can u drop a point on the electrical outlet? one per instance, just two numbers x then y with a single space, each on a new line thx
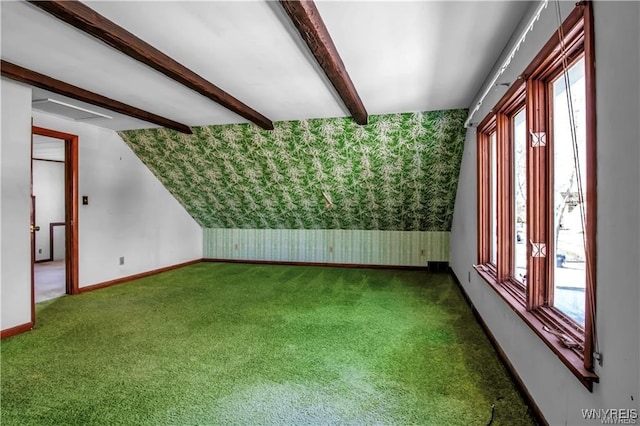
121 260
39 251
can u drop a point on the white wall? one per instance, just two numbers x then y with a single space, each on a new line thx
15 153
556 391
48 188
129 213
59 239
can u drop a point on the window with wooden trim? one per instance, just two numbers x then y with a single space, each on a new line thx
536 195
494 200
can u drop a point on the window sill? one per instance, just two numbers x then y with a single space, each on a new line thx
537 321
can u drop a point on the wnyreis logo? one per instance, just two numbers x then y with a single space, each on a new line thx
611 416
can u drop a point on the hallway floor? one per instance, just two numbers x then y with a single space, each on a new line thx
49 280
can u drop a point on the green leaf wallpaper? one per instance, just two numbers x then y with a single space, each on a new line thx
399 172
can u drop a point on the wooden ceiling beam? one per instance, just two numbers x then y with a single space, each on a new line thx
24 75
307 20
89 21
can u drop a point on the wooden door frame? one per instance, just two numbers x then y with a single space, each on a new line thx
71 210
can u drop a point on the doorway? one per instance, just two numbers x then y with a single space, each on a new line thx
54 214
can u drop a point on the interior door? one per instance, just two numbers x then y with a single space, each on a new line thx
33 229
71 204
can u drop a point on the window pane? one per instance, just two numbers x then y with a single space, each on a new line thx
520 196
494 210
569 265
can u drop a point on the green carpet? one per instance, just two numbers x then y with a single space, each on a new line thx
246 344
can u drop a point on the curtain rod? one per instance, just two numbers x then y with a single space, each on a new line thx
543 4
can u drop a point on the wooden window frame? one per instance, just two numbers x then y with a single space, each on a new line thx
534 302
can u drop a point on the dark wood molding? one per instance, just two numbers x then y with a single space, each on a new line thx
535 410
307 20
16 330
137 276
89 21
513 99
485 207
537 202
46 159
592 193
483 147
504 187
323 264
24 75
32 238
52 225
570 26
71 215
536 322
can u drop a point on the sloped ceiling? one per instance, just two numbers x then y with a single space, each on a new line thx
317 168
401 56
399 172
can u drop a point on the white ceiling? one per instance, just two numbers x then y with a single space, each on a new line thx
401 56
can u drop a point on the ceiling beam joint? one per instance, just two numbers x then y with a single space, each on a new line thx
32 78
309 23
89 21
